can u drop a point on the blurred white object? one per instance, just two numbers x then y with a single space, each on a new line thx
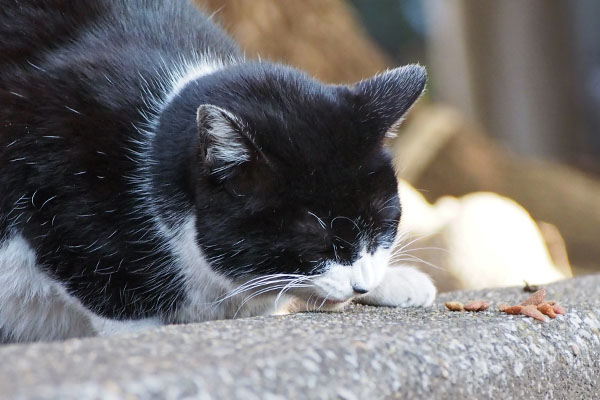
479 240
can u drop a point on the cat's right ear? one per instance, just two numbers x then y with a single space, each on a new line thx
222 142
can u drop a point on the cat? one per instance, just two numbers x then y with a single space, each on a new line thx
150 174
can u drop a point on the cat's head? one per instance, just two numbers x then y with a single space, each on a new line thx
291 176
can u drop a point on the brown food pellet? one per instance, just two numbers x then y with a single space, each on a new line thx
536 298
559 309
503 306
532 311
513 310
546 309
477 305
454 306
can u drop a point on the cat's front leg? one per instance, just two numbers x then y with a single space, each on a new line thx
402 286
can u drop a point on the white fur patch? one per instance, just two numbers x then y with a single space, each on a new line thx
402 286
184 72
366 273
175 77
207 291
397 286
202 285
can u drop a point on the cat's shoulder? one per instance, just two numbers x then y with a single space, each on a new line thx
32 30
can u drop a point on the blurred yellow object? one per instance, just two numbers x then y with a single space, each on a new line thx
478 240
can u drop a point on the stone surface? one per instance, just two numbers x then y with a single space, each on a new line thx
362 353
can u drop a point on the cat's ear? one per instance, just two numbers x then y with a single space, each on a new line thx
222 143
385 98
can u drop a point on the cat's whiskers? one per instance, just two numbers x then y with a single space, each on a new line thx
409 257
343 217
255 283
403 252
387 207
292 284
324 300
345 241
321 223
266 290
425 248
251 284
315 301
307 302
401 237
255 294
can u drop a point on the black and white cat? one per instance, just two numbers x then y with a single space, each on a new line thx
149 174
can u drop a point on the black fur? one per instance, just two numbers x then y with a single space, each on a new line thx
76 91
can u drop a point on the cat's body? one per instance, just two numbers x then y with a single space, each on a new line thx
150 175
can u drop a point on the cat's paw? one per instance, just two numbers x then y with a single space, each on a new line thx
402 287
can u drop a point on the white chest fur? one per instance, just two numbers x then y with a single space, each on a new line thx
208 294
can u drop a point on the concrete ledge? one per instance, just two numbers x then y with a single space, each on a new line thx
362 353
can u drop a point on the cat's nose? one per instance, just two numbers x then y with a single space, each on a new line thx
359 289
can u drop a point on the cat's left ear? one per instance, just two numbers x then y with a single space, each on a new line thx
385 98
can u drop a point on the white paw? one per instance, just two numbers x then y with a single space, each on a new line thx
402 287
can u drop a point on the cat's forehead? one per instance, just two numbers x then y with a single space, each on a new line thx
349 189
312 131
295 117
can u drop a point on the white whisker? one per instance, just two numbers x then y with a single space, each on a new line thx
416 259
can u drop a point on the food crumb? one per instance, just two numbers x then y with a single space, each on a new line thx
454 306
558 309
514 310
532 311
536 298
547 309
535 306
477 305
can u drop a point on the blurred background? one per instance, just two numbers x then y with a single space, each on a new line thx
528 72
512 108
